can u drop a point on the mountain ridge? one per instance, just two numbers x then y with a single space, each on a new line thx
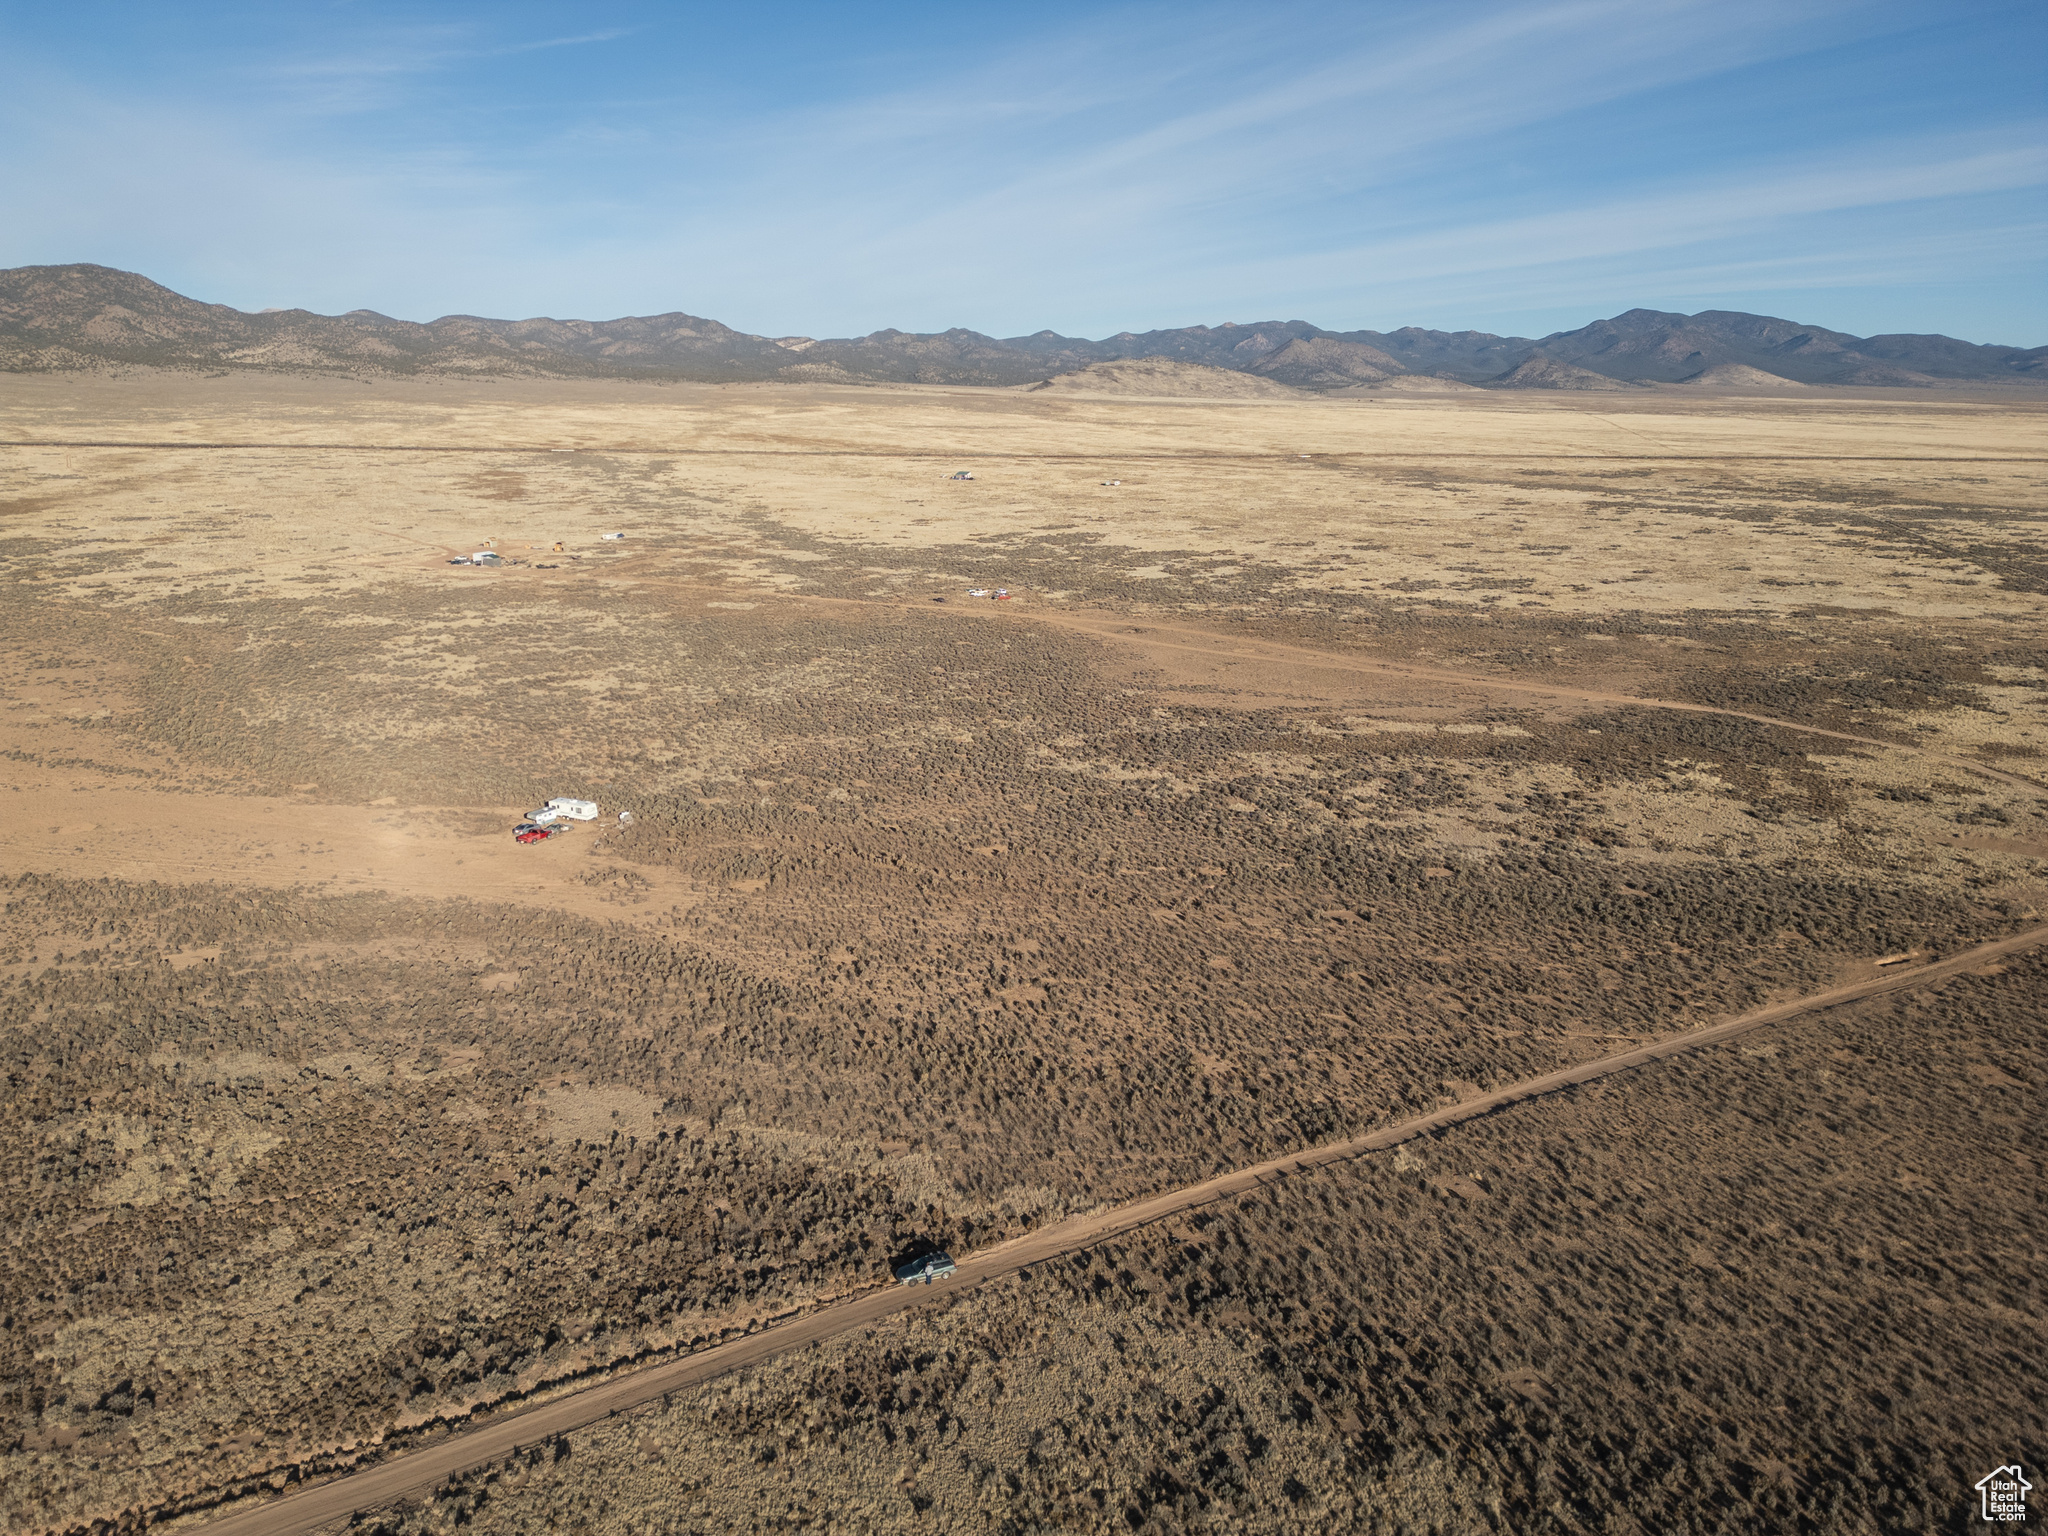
82 316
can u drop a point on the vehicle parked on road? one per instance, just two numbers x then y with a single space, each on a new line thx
933 1266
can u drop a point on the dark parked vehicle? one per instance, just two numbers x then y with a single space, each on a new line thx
933 1266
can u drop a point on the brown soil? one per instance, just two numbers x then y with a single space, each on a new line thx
1291 798
419 1473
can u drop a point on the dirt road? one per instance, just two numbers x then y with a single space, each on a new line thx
417 1472
420 851
1151 635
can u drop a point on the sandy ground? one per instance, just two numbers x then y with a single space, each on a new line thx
248 840
1544 517
1652 503
81 823
1374 654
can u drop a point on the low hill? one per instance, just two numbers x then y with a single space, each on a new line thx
946 357
1656 346
1423 384
1160 377
82 316
1739 376
1540 372
1888 376
1324 362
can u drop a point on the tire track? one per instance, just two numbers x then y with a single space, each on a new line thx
1127 630
1303 656
419 1472
1139 632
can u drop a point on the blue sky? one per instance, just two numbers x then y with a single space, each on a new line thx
831 169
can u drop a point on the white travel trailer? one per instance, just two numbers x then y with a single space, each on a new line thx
575 810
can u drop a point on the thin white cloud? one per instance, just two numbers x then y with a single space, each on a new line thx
374 71
1854 269
1725 206
610 35
1128 170
1358 112
879 181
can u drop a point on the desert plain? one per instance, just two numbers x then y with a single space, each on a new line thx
1329 762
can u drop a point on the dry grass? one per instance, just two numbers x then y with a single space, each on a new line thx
331 1111
1674 1302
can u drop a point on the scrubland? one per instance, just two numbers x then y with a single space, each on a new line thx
1677 1301
1290 796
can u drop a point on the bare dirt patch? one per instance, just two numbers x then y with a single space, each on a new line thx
1303 782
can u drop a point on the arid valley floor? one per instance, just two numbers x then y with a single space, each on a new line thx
1343 759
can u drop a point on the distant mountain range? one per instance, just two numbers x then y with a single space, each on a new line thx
83 316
